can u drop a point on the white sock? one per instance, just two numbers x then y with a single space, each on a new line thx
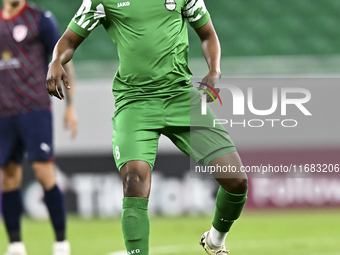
217 238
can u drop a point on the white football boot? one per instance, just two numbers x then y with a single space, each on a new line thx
62 248
16 248
212 251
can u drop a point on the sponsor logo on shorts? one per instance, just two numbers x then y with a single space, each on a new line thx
45 147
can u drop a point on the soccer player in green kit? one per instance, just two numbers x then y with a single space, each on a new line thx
153 96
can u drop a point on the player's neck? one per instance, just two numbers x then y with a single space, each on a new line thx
12 9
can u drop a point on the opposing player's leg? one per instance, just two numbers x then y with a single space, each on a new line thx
136 176
54 200
36 132
135 140
12 208
11 174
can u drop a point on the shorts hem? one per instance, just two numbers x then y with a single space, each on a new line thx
205 161
119 166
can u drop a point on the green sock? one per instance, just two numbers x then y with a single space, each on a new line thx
228 208
136 225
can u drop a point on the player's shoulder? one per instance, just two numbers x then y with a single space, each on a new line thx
40 10
192 3
94 2
98 1
35 8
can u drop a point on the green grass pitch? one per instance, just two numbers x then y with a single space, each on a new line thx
265 232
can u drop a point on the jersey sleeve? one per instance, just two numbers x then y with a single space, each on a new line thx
196 13
48 31
89 16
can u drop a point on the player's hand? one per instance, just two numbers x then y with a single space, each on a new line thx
55 74
71 120
208 83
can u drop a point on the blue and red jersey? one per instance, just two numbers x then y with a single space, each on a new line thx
26 44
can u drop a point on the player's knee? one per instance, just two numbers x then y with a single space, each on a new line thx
44 173
237 185
241 185
11 176
45 182
136 185
133 180
136 177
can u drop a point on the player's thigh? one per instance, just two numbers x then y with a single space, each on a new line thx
194 133
135 134
202 144
11 146
209 143
36 132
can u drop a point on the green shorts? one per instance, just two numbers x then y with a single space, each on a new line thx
139 123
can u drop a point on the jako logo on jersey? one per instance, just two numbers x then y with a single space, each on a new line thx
204 97
19 32
170 5
123 4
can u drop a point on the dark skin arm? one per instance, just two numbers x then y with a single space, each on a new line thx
62 54
69 42
212 53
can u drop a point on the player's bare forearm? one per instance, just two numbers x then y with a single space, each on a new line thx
69 68
211 48
212 53
70 116
62 54
67 44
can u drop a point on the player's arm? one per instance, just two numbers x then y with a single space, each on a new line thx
211 48
49 36
212 53
70 116
62 54
88 17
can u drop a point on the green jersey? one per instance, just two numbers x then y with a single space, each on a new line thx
151 38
